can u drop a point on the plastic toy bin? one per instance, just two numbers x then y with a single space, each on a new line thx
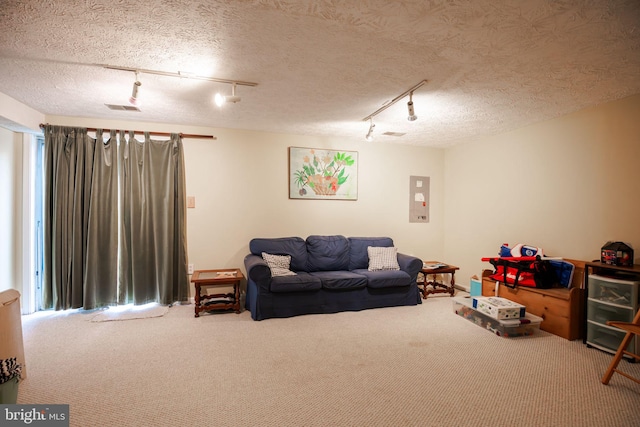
508 328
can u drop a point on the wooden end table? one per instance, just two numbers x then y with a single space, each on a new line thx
217 278
437 287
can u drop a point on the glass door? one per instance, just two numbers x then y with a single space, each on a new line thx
38 207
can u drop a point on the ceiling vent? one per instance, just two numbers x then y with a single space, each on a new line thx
395 133
122 107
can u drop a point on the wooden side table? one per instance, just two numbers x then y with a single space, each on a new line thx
212 279
437 287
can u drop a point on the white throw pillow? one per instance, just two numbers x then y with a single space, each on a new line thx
279 264
383 258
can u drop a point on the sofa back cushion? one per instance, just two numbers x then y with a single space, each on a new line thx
293 246
328 253
358 256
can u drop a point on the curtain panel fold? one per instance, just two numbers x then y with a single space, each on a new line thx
153 265
114 225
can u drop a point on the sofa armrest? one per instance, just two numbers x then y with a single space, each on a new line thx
258 271
410 264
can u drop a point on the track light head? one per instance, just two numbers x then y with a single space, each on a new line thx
412 114
220 100
369 136
134 92
233 98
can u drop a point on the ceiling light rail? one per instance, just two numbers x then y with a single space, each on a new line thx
182 135
181 74
394 100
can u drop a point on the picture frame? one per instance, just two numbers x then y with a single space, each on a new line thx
323 174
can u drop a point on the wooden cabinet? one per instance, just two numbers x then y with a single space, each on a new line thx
562 309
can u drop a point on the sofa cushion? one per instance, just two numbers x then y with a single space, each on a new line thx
278 264
385 278
294 246
340 279
383 258
358 256
300 282
327 253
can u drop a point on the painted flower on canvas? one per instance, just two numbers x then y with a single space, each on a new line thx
323 173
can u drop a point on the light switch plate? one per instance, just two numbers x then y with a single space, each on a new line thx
191 202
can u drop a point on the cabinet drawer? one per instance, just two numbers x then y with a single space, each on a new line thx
605 337
613 291
600 312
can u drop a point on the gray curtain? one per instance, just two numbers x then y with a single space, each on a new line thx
93 189
80 219
153 263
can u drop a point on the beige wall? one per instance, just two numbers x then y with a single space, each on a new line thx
17 116
567 185
240 183
10 210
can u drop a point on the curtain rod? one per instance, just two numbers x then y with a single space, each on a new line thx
182 135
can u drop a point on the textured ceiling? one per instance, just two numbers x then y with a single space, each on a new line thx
322 66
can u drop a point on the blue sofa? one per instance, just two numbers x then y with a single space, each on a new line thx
332 274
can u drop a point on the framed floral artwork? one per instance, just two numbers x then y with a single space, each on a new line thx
316 173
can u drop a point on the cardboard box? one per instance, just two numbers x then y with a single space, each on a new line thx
499 308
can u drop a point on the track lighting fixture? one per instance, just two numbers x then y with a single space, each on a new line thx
412 114
220 99
134 92
369 136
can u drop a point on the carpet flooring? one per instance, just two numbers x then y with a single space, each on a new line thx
400 366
